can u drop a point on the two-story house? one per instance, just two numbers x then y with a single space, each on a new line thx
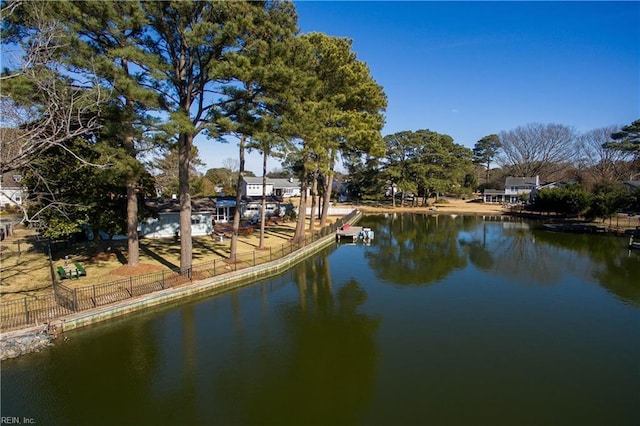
285 188
514 187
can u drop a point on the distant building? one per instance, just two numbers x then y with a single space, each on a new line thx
514 187
632 184
11 192
285 188
203 212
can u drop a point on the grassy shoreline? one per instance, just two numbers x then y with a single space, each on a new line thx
25 270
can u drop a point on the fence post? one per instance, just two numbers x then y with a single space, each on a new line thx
254 258
75 300
162 283
26 310
214 267
270 254
95 301
130 286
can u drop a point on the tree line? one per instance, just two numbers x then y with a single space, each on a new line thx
591 166
424 163
108 94
103 85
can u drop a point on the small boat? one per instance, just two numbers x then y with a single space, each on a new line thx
573 227
634 244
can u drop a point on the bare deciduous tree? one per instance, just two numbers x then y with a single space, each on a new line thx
48 107
41 106
537 149
598 162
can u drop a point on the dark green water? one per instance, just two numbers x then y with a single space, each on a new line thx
441 320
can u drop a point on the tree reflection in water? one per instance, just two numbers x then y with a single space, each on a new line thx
323 371
414 249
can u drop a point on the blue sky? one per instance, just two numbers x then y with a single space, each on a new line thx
470 69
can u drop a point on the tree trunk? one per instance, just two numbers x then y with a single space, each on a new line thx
236 215
133 250
264 199
185 143
314 193
298 237
133 258
393 195
486 181
327 199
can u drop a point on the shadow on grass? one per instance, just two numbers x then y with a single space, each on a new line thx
154 255
280 232
120 256
207 246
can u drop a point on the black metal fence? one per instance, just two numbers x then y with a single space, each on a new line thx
27 312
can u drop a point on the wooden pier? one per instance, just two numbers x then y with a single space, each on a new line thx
348 231
355 233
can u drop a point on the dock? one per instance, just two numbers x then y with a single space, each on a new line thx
354 232
348 232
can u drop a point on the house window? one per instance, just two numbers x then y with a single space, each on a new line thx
195 220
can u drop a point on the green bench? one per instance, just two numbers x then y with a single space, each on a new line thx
80 270
65 274
62 273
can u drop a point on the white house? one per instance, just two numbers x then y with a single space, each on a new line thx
251 209
11 192
514 187
286 188
203 212
252 187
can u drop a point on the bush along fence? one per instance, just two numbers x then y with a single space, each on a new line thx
64 300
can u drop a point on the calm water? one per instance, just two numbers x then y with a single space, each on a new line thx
441 320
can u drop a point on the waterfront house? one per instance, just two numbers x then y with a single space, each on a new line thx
284 188
11 192
514 187
203 212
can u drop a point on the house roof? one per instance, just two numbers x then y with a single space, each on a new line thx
521 181
286 183
198 205
256 180
11 180
276 182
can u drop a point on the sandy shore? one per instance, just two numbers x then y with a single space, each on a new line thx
444 206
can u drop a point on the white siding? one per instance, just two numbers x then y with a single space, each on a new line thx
167 224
